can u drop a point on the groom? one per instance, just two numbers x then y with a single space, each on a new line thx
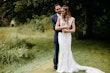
53 19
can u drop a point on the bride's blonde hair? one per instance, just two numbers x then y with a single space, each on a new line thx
66 8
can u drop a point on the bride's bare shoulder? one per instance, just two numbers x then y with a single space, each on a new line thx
73 18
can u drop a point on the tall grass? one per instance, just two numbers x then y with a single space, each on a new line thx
12 50
20 46
41 23
39 48
28 47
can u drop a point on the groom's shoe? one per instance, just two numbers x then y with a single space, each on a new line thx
55 67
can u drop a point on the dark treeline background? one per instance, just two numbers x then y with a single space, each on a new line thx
92 16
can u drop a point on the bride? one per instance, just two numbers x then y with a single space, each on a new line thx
66 62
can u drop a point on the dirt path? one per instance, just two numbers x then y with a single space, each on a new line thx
47 67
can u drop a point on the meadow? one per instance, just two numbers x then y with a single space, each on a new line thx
26 50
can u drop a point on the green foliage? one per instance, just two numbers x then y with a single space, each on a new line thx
40 46
85 13
20 46
13 50
41 23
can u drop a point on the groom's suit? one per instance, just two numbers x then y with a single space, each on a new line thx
53 19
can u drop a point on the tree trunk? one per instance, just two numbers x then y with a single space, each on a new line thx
89 18
89 24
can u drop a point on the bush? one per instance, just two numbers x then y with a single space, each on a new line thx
41 23
13 50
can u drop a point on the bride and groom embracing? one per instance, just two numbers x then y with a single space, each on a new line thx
64 24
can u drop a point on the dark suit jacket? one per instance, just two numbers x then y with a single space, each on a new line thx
53 19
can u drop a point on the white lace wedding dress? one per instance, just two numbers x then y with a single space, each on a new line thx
66 63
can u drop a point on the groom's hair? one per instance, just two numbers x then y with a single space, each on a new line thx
56 5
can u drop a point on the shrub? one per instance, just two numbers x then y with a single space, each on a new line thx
13 51
41 23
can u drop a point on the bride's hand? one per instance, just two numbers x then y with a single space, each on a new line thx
65 27
65 30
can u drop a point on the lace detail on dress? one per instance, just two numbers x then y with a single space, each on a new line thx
66 60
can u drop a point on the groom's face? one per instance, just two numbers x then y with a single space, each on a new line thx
58 9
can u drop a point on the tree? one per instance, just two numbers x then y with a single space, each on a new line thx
92 16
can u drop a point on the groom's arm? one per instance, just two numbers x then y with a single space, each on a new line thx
54 23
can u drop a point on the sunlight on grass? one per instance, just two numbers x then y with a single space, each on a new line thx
86 52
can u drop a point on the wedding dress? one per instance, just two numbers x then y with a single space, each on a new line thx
66 63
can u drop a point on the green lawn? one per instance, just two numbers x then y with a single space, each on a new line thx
86 52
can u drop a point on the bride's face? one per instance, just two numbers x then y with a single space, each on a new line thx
63 12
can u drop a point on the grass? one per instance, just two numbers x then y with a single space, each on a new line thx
92 53
86 52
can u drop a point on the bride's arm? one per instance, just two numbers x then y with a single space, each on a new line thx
73 28
58 27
